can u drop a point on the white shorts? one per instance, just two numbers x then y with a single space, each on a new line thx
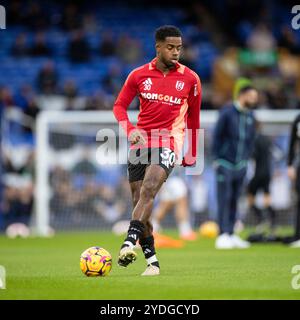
173 189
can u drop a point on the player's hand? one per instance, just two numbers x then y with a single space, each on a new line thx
291 171
136 137
188 163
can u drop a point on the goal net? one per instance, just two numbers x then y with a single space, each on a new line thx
79 185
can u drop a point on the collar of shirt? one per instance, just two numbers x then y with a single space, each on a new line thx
239 108
153 65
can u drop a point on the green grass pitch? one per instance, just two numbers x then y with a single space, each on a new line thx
49 269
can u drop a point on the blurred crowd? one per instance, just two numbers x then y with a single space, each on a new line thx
258 30
87 193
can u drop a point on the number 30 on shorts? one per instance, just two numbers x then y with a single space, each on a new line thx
167 157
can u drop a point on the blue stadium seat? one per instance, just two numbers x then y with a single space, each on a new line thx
87 75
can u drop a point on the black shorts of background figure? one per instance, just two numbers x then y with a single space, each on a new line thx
259 184
140 159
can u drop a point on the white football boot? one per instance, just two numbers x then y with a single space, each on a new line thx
224 241
295 244
151 270
126 256
239 243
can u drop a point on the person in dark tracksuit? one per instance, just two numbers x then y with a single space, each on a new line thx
232 146
1 169
262 155
294 174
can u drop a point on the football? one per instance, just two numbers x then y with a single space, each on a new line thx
96 262
209 229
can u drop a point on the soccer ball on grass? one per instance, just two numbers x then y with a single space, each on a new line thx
95 262
209 229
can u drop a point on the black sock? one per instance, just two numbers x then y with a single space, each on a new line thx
148 248
136 229
258 213
272 215
155 263
147 245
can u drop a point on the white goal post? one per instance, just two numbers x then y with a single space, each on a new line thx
46 118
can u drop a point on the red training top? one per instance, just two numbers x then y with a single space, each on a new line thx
167 103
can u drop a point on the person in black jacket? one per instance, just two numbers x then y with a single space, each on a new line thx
262 155
232 146
294 174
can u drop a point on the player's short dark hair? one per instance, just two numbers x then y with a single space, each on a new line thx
163 32
245 89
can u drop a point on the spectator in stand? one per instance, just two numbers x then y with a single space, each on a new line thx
90 24
35 17
276 96
109 206
40 47
6 98
18 188
128 49
79 49
26 169
15 13
261 39
113 81
189 56
47 79
32 109
20 47
70 89
23 96
107 46
85 166
99 101
71 19
65 198
289 40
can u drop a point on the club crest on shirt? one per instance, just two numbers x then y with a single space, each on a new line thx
179 85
